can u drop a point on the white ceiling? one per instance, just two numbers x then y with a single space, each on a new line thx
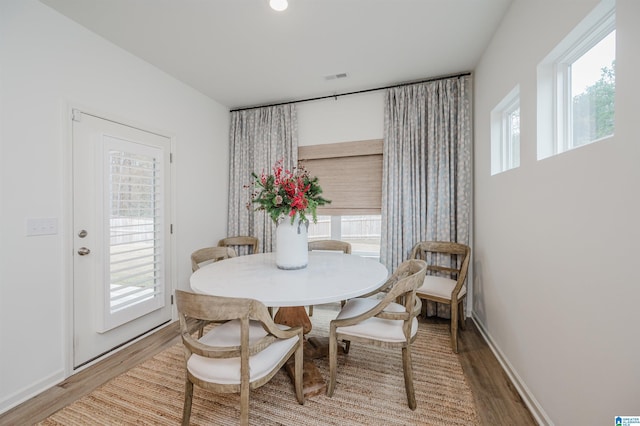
241 53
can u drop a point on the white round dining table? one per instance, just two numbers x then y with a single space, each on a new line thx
328 277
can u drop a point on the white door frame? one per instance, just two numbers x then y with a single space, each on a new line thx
67 223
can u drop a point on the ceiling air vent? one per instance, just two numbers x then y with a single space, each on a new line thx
335 76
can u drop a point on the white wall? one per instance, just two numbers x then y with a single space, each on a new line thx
556 241
49 62
345 119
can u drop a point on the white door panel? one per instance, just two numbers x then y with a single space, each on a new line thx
121 205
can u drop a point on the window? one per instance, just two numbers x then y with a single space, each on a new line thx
505 133
134 187
592 95
350 174
576 85
362 232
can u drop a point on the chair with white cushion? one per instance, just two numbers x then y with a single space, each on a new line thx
242 244
242 352
329 245
389 322
210 254
448 264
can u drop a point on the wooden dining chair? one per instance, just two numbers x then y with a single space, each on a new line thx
447 268
241 244
329 245
205 256
389 322
243 351
210 254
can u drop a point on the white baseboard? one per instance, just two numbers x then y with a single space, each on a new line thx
28 392
538 413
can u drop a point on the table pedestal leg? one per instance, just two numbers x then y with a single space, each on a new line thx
312 381
293 316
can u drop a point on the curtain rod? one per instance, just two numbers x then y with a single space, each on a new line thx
335 96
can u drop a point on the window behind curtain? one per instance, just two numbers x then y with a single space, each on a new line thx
350 175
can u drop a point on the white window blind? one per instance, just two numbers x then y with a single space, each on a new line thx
135 223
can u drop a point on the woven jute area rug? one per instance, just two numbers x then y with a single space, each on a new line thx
369 391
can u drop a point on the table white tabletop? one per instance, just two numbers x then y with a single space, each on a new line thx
329 277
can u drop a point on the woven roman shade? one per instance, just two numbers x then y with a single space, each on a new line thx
350 175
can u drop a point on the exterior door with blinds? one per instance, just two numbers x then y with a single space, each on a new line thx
121 225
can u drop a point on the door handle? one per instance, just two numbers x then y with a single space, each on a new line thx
83 251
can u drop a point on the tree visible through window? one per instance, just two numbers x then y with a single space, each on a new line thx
593 109
576 85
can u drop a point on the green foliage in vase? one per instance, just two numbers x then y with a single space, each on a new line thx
287 193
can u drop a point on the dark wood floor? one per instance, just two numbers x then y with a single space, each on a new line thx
496 399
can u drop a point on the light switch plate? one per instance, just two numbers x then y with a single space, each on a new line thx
42 226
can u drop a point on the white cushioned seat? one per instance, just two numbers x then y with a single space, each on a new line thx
227 370
365 321
374 328
447 259
440 287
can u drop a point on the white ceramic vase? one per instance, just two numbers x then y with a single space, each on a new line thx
292 250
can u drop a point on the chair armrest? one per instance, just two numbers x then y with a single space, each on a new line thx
286 333
417 307
199 348
373 312
262 315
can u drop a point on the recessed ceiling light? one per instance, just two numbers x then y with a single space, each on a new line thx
278 5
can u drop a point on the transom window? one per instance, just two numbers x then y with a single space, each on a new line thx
505 133
576 85
591 100
350 174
